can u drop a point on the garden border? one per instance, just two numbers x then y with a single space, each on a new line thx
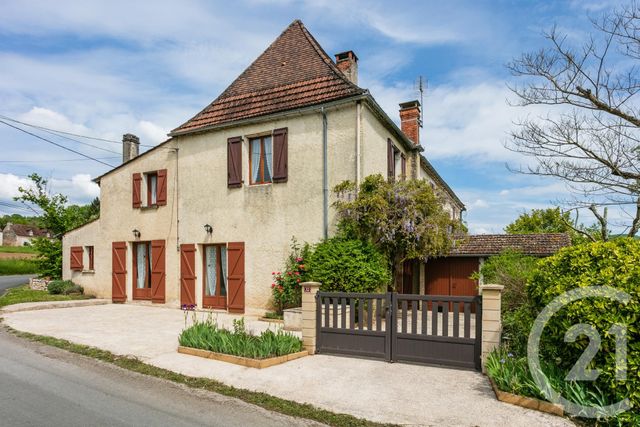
242 361
527 402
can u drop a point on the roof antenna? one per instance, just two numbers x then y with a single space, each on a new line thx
421 87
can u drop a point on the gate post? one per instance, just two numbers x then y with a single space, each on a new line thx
491 319
309 291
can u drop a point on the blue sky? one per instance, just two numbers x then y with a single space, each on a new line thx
108 68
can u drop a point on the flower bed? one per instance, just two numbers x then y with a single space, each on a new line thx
214 342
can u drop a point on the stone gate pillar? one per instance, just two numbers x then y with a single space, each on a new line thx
309 291
491 318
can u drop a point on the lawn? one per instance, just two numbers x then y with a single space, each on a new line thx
18 249
24 294
16 266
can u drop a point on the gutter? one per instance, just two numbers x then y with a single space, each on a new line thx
325 176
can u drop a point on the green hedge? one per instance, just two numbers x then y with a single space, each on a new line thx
64 287
616 264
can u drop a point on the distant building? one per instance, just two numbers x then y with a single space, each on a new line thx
21 234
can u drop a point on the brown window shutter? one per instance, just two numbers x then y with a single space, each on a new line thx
161 195
234 162
235 277
158 271
403 166
280 155
187 274
391 165
76 258
137 182
119 271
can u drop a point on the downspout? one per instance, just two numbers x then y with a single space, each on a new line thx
325 177
358 142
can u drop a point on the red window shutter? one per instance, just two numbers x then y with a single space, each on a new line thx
76 258
234 162
187 274
137 182
280 155
235 276
119 271
391 165
161 196
158 271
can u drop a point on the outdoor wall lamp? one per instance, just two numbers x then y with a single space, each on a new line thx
136 233
208 228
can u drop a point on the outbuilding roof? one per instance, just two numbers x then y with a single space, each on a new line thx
293 72
543 244
27 230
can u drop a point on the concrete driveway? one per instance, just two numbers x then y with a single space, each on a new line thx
375 390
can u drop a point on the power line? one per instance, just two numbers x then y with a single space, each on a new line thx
56 144
24 208
68 133
55 160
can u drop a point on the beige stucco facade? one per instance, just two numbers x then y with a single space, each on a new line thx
264 217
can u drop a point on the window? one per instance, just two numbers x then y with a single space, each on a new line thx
152 189
215 276
260 160
88 254
142 270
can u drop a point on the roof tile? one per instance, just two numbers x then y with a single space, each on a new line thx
542 244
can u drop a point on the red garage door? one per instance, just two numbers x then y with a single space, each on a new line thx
450 276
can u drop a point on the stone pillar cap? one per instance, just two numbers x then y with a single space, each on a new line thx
310 284
491 287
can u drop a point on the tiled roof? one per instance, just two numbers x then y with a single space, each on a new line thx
23 230
293 72
529 244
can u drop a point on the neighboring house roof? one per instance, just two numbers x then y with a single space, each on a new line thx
293 72
529 244
27 230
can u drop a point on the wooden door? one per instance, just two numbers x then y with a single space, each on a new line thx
407 277
187 274
461 270
236 276
214 276
437 272
119 271
158 271
141 264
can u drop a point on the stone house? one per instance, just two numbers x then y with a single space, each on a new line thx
205 217
21 234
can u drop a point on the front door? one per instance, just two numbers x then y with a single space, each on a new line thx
215 276
142 270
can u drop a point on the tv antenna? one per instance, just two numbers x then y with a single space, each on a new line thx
421 85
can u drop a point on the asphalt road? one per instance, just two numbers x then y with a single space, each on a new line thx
7 282
42 385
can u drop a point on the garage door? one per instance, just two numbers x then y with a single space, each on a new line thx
450 276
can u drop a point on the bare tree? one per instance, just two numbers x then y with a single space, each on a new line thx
590 137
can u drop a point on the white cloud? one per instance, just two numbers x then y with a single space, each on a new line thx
9 184
479 203
504 192
152 132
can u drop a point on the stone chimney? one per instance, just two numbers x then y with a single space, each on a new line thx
410 120
130 147
347 62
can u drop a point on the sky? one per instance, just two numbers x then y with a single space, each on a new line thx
105 68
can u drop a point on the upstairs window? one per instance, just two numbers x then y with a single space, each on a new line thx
155 185
152 188
88 255
260 160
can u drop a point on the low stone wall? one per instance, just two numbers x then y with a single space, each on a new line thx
39 284
293 319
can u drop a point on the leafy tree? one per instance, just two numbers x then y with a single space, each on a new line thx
551 220
402 219
56 217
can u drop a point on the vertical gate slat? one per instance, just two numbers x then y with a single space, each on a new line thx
467 320
445 320
456 320
414 317
343 315
335 312
360 313
378 314
352 313
404 316
434 318
425 311
325 305
369 314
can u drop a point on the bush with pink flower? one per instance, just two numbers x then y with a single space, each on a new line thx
285 287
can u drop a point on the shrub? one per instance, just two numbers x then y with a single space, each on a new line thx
206 335
285 289
614 263
342 265
64 287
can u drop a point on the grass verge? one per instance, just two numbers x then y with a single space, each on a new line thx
24 294
17 249
17 266
271 403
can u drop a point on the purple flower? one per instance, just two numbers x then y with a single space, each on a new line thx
502 361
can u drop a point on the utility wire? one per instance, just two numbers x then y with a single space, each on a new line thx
68 133
55 160
56 144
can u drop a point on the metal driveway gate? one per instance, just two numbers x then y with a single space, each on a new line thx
429 329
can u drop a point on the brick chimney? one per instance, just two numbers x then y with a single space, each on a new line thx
347 62
410 120
130 147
